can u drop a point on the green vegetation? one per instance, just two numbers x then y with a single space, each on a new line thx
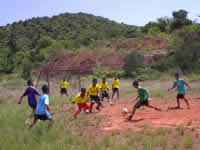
73 134
26 45
84 133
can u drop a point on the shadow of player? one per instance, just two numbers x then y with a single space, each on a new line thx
174 108
133 121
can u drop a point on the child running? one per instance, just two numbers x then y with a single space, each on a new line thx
81 101
115 87
31 92
93 92
143 99
43 111
180 85
63 87
104 87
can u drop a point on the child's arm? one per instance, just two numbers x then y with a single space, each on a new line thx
188 86
36 92
21 98
136 98
170 89
173 87
48 108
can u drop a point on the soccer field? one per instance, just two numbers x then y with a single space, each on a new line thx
104 130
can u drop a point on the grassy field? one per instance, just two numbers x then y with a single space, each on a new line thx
85 132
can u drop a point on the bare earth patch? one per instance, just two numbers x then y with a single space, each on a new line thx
147 117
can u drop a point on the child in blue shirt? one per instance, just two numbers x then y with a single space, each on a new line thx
31 92
180 85
43 111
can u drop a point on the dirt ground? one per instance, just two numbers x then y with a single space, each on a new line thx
151 118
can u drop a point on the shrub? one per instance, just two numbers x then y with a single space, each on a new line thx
133 61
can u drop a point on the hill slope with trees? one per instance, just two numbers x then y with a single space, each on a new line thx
26 45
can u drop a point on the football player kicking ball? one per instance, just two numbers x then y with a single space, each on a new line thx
143 99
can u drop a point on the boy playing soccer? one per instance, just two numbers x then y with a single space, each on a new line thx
104 87
180 85
81 101
93 92
63 87
43 111
30 92
115 87
143 99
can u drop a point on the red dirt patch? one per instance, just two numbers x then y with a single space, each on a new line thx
147 117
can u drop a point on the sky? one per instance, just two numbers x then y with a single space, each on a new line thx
132 12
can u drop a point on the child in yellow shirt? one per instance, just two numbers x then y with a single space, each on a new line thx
63 87
104 87
93 92
115 87
81 101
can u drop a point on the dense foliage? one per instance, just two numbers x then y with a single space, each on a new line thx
186 55
25 45
32 41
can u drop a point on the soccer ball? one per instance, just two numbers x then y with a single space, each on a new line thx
124 110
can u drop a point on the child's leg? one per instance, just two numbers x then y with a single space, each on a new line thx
186 101
33 112
99 103
86 106
137 105
109 100
118 94
91 106
152 106
178 103
34 122
113 93
61 92
50 123
66 92
133 113
98 106
80 106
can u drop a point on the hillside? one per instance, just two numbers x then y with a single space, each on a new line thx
99 42
32 40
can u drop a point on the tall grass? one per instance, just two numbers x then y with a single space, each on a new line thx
84 133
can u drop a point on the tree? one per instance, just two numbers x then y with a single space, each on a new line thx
133 61
181 14
180 19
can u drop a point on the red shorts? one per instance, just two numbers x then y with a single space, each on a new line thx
83 106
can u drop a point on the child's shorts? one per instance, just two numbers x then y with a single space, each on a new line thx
115 90
83 106
182 96
141 103
104 94
43 117
63 90
95 99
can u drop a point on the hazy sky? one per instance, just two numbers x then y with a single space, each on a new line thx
133 12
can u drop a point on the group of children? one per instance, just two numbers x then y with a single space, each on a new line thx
96 93
41 109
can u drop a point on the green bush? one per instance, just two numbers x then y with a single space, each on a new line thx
133 61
